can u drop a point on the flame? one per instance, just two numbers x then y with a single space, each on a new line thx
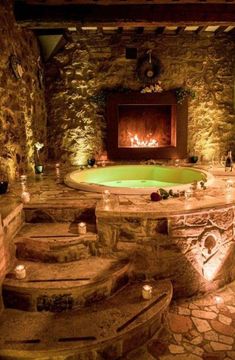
148 142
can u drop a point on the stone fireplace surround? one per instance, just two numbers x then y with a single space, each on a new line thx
166 118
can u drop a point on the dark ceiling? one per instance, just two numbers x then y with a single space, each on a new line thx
53 18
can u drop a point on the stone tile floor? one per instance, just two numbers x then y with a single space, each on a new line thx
195 329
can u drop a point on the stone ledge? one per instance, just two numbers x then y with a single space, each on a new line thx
62 287
110 329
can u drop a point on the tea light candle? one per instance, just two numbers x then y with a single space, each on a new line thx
188 194
147 292
20 272
23 179
229 184
25 196
106 196
177 162
57 170
82 228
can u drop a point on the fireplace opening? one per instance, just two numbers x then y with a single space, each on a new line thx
145 126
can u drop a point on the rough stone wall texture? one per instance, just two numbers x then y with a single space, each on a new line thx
22 102
195 251
93 61
10 223
2 261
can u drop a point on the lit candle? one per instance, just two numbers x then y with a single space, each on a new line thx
20 272
218 299
82 228
25 196
106 196
188 194
23 179
177 162
147 292
229 184
57 170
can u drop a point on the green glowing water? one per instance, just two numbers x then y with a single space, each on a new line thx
136 177
138 183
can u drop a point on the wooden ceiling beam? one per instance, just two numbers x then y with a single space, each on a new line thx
57 31
41 16
115 2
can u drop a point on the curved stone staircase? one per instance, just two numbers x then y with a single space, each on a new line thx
74 303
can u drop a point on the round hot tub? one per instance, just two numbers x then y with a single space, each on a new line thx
134 179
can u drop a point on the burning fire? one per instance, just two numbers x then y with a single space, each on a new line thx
148 142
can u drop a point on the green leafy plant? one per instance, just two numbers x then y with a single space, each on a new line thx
182 93
101 96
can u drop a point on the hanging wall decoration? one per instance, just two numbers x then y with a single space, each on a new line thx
148 68
40 78
16 66
40 74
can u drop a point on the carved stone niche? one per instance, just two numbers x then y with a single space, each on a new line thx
146 126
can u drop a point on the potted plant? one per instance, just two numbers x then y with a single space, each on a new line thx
38 164
3 181
3 186
193 159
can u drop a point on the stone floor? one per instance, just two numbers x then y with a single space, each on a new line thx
196 329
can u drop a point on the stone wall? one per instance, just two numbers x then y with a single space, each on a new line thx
11 219
22 103
2 262
95 61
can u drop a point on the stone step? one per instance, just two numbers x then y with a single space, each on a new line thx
55 242
61 287
106 330
61 209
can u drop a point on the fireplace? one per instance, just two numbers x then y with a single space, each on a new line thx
144 126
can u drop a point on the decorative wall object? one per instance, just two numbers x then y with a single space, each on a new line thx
16 66
148 68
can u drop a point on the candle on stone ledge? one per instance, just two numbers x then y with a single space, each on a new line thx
20 272
188 194
229 184
177 162
147 292
106 196
23 179
82 228
25 197
57 169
